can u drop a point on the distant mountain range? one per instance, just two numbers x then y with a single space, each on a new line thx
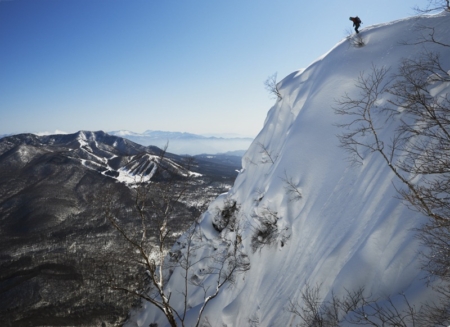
184 143
188 143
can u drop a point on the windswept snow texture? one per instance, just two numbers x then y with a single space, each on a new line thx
348 230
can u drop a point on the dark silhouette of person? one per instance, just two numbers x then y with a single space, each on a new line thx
356 23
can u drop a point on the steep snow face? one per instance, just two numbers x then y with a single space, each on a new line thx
347 230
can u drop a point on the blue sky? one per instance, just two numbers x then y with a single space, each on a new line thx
177 65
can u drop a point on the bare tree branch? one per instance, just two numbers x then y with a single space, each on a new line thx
267 156
272 86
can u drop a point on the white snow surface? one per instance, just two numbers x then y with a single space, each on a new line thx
348 230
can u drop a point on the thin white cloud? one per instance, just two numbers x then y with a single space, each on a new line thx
50 133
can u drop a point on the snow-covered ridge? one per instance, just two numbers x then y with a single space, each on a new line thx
142 167
346 229
109 155
136 168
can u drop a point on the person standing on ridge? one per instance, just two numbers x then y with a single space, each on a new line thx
356 23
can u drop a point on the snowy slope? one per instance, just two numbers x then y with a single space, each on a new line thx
348 230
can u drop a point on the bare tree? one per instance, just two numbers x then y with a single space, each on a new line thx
427 35
418 152
433 5
362 127
145 260
272 86
267 155
355 39
291 188
423 135
354 309
425 138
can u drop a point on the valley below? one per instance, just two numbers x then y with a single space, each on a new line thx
53 230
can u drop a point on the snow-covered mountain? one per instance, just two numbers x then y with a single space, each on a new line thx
344 228
187 143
